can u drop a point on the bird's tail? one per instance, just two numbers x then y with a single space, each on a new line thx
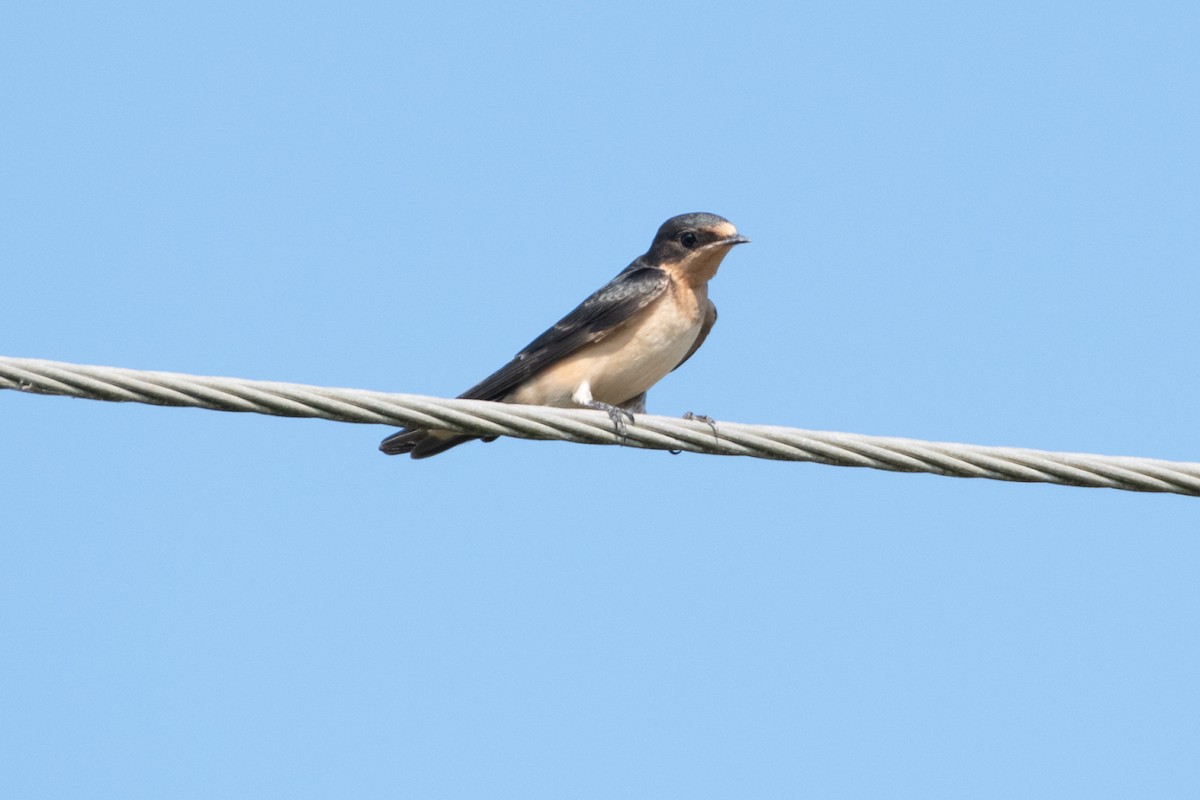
422 443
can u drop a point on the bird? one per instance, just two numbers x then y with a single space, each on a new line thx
625 337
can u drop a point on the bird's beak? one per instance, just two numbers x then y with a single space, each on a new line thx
732 240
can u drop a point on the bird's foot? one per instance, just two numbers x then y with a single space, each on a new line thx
712 423
617 414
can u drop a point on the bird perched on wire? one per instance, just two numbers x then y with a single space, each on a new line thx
616 344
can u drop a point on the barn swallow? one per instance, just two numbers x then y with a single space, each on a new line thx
644 323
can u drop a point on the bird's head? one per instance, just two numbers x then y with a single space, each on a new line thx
694 244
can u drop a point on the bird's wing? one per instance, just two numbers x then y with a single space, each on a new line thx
710 319
596 317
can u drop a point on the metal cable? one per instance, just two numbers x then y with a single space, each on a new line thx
595 427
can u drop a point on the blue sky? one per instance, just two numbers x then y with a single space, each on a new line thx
969 224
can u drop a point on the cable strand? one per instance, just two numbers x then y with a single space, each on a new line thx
482 418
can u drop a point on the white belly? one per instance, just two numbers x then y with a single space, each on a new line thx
621 366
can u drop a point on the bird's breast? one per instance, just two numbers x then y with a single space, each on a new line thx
627 361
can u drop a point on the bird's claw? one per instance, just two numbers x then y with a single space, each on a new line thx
712 423
689 416
617 414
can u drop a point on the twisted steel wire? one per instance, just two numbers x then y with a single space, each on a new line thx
595 427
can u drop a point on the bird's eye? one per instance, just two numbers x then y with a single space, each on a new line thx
687 239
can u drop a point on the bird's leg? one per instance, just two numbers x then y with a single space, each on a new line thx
617 414
689 416
712 423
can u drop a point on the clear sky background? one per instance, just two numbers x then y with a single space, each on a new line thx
969 224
